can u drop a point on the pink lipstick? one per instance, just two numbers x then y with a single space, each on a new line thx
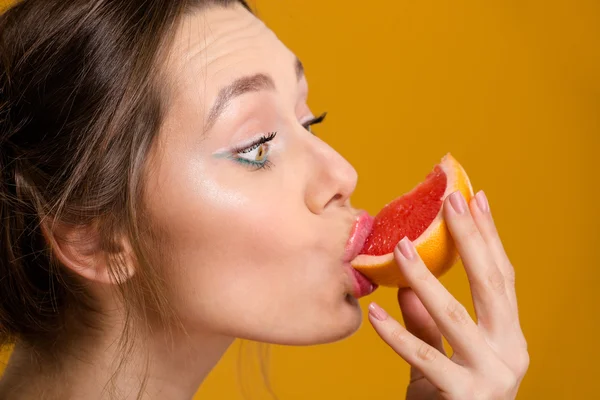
358 236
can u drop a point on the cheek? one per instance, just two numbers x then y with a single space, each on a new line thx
249 263
248 250
244 256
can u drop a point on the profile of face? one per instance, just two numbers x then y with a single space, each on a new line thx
254 207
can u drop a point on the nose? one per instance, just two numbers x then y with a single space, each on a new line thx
333 179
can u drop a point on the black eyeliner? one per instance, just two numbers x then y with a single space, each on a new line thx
314 121
255 144
319 119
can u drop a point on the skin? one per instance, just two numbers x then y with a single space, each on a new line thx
257 253
490 356
250 245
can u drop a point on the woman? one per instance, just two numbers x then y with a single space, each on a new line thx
162 194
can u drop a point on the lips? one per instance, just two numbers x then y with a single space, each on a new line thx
358 236
356 241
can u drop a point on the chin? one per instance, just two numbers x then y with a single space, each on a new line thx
351 318
327 327
344 324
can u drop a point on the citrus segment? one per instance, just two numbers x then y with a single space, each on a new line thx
417 215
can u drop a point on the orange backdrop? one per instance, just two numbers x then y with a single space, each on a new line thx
512 90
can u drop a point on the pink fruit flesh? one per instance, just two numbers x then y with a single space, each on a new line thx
408 215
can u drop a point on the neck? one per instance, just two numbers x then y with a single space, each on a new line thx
175 367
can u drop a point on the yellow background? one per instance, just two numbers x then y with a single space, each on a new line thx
512 90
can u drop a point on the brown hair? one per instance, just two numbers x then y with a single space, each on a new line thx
80 108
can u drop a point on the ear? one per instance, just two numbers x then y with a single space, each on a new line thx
78 248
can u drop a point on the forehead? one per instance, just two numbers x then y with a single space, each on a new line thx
218 45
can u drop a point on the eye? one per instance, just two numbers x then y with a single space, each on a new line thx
256 154
314 121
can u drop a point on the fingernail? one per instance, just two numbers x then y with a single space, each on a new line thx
407 249
482 202
377 312
458 202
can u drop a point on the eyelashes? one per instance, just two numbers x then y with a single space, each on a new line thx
265 139
257 149
260 152
317 120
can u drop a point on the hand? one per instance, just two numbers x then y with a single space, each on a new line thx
490 357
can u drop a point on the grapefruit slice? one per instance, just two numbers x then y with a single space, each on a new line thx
417 215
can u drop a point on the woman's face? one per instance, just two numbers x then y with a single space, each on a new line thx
256 235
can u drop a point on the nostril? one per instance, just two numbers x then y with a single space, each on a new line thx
334 199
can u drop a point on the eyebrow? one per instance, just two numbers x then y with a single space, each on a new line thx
243 85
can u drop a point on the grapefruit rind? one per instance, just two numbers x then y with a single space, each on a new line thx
435 245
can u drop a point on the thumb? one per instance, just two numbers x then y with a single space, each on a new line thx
418 321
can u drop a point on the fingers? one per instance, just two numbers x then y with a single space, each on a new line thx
485 223
495 380
435 366
451 317
419 323
488 283
487 360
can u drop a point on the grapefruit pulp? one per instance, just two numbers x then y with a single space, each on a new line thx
417 215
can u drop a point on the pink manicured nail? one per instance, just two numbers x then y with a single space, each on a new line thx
482 202
406 248
458 202
377 312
